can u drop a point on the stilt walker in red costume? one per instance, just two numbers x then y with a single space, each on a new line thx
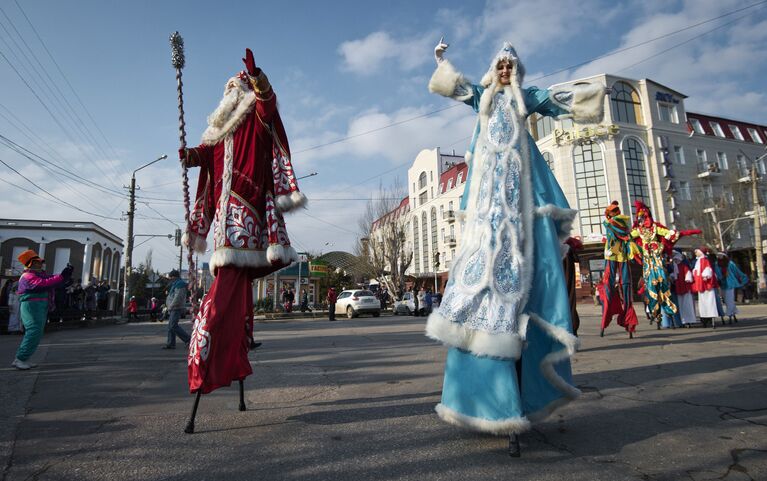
656 242
615 288
246 183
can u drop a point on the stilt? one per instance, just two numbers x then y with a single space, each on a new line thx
602 333
735 318
631 334
514 450
189 429
242 396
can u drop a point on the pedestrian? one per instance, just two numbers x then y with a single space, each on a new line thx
245 167
428 302
705 284
132 309
505 314
90 300
176 302
305 301
384 298
153 306
14 320
683 284
416 311
35 293
331 298
732 278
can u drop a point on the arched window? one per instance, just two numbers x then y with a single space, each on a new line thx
425 242
433 232
625 103
416 251
460 178
549 160
422 180
590 187
636 173
544 125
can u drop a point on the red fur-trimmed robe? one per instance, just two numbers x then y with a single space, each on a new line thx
246 182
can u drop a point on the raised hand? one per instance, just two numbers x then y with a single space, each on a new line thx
439 50
250 63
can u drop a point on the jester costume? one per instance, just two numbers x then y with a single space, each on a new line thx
246 183
655 241
505 315
615 288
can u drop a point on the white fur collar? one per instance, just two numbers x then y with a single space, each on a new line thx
214 134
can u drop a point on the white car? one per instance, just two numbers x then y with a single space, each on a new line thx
358 301
406 305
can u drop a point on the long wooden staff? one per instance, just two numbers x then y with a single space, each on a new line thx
178 61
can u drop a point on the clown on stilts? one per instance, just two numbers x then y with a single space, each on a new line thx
246 183
505 315
615 289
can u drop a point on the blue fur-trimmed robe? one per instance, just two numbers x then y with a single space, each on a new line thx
506 298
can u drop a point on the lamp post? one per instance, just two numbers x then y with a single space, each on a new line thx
129 247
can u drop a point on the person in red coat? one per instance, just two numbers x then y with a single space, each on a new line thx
246 183
705 284
132 309
332 297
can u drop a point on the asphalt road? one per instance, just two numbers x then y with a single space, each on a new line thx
353 400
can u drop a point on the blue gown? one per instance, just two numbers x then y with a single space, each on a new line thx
506 299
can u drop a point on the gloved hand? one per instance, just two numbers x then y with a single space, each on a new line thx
66 273
439 50
250 64
182 154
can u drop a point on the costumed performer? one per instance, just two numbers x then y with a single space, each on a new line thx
705 284
615 288
246 183
669 321
683 281
505 313
732 278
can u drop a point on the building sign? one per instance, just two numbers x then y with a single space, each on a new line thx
586 135
664 97
318 269
596 264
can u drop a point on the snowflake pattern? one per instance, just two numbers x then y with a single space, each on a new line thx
199 345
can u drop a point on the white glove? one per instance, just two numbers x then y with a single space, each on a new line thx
439 50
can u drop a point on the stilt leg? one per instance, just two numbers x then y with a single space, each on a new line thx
189 429
631 334
242 396
602 333
514 450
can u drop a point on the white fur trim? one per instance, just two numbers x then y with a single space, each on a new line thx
214 134
499 427
227 256
194 242
547 364
284 254
564 216
449 82
287 203
502 345
588 104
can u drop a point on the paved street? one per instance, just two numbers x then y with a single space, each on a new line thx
354 400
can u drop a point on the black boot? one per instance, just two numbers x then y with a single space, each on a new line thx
602 333
514 450
735 318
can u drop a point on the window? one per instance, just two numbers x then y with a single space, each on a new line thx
626 106
727 195
636 176
717 129
742 165
450 205
708 192
441 187
449 184
416 250
590 187
679 154
434 232
684 190
549 160
460 178
425 242
442 211
761 168
422 180
736 132
697 126
543 126
755 135
702 162
431 176
667 112
567 124
442 234
721 160
423 198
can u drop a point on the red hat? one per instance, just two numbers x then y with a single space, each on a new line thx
28 256
574 243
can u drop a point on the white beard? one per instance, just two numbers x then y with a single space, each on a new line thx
223 112
236 104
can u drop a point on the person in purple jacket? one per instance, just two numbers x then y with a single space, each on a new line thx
35 297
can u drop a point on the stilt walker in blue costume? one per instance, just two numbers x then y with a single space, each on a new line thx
505 314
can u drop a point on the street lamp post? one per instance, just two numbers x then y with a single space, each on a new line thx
129 247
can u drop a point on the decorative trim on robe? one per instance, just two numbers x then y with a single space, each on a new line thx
503 345
214 135
449 82
230 256
499 426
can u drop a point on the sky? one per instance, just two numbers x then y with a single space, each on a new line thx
88 85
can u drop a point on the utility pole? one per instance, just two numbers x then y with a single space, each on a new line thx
760 284
129 247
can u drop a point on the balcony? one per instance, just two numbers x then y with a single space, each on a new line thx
449 215
709 171
450 241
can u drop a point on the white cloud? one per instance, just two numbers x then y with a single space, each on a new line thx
371 54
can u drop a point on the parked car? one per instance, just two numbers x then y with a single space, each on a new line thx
358 301
406 305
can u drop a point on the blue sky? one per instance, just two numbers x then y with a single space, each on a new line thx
339 68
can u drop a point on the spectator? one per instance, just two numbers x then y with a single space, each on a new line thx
305 301
177 295
331 298
153 307
14 324
132 309
428 302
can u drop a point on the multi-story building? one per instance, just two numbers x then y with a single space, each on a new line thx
692 170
